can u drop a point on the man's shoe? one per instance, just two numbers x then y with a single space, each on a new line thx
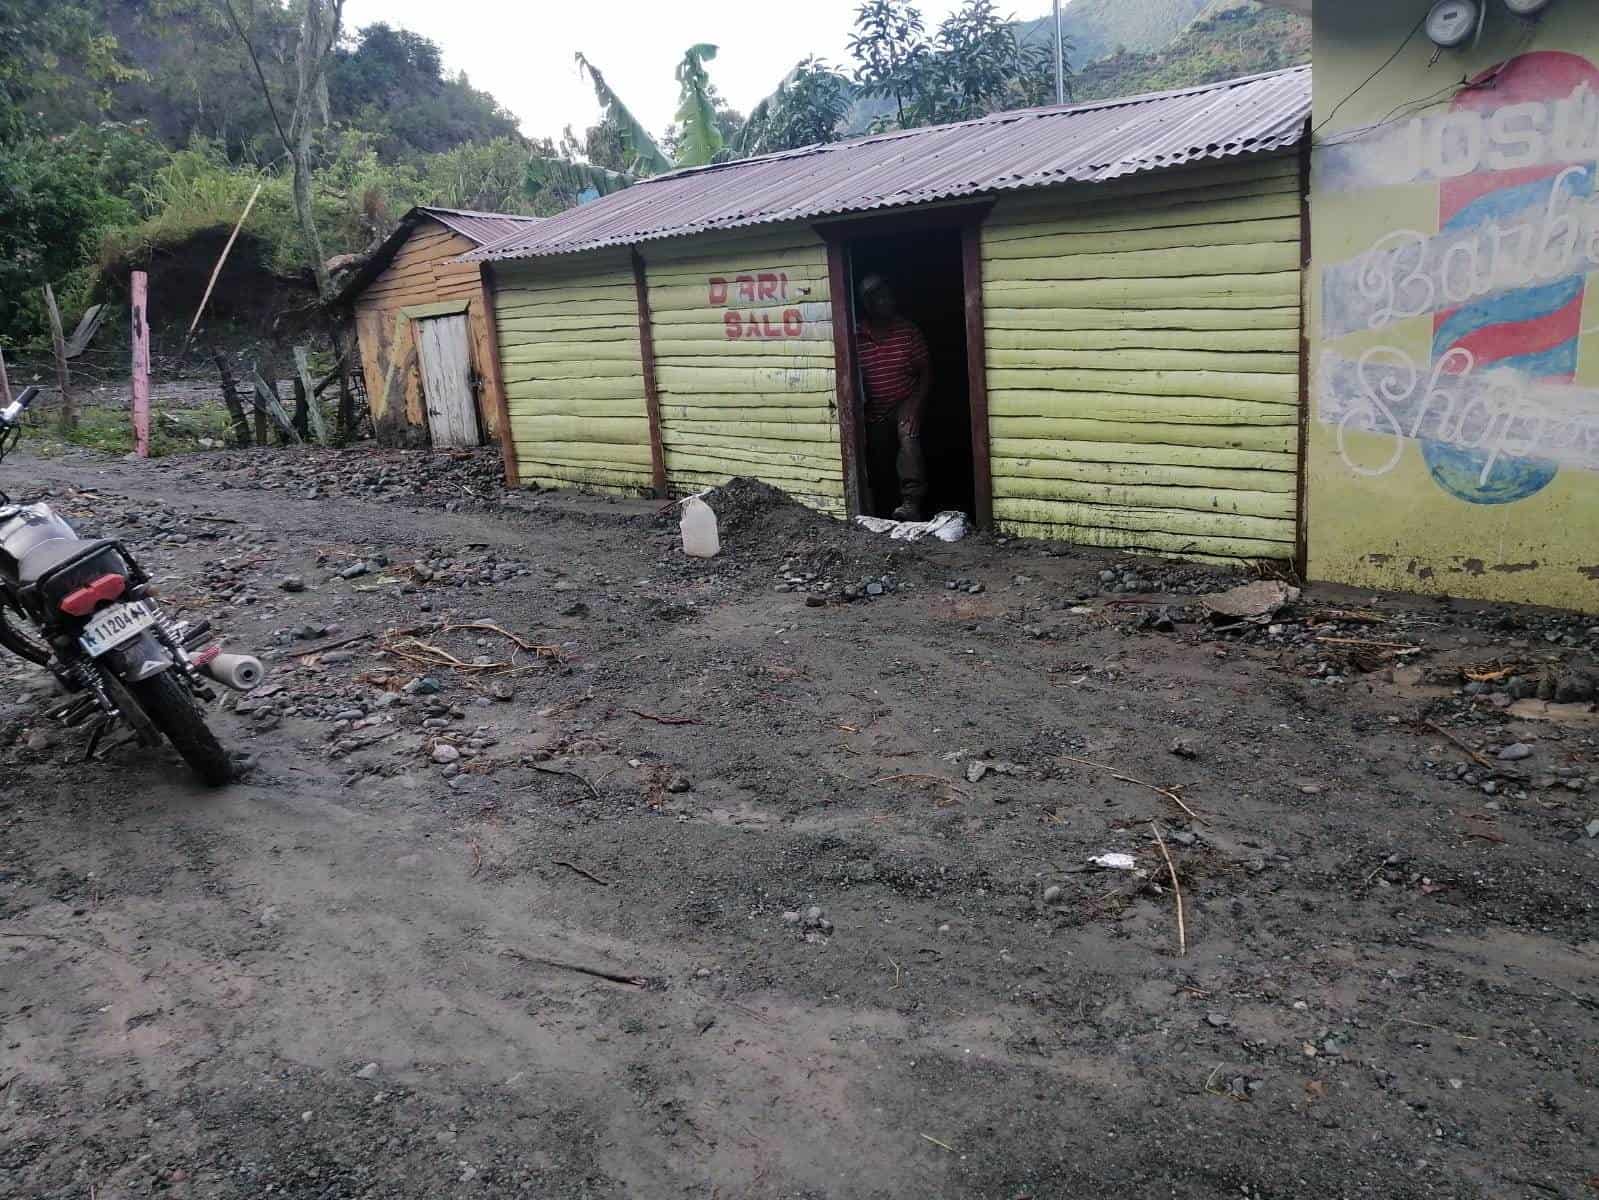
908 512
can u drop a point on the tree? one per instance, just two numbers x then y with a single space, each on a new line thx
319 34
890 50
39 38
974 60
807 109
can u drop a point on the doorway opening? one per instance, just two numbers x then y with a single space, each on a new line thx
924 275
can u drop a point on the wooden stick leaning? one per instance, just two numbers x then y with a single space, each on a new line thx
221 259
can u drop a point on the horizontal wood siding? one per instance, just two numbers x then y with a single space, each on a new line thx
761 403
423 271
574 375
1142 365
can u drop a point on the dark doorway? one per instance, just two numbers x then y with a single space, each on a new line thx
924 271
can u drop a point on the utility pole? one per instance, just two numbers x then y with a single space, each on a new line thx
1060 59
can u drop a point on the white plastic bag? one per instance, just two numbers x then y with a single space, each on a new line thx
700 538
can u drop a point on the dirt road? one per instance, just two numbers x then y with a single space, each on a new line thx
840 957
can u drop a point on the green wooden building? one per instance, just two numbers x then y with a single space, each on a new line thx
1111 294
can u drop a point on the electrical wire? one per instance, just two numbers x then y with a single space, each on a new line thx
1408 109
1386 63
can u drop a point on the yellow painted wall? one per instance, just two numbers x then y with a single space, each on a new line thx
1142 343
574 376
743 334
1455 307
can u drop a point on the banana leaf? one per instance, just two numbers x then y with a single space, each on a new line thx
647 158
699 138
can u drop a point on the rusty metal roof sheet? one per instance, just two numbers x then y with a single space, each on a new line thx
479 227
1030 148
482 227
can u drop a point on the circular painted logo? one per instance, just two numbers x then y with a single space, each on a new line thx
1459 471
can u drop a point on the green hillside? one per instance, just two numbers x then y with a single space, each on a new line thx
1231 38
1097 28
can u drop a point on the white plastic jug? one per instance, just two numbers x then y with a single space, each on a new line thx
699 529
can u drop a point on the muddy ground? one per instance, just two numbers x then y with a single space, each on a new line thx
842 960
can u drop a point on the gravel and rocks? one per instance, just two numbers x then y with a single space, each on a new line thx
501 918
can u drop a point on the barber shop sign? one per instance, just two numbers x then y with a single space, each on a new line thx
1497 409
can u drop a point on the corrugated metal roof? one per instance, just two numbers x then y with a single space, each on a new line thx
1029 148
482 227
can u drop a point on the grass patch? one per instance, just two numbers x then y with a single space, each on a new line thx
110 431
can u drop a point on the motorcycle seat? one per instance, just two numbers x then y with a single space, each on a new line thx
56 553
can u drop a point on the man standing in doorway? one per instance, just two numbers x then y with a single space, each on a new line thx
894 366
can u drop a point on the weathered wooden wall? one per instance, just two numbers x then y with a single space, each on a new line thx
1143 356
422 272
574 376
743 337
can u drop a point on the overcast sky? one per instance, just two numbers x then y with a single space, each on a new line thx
521 51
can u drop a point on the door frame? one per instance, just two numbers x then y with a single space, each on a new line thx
968 220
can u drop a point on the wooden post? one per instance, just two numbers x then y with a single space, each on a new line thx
5 382
652 391
141 365
230 398
851 422
977 371
260 406
68 417
313 409
496 376
1302 466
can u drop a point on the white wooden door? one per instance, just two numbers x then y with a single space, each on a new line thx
447 380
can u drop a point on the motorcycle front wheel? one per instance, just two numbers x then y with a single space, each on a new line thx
173 711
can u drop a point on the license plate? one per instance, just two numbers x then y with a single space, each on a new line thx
114 626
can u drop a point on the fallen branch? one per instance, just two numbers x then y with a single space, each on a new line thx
1480 759
941 1145
594 791
1177 891
1402 647
637 981
1169 793
523 643
920 776
344 641
1363 616
649 716
571 866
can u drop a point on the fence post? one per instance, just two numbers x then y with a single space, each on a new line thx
141 365
68 416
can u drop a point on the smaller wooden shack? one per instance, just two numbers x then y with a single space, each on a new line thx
425 341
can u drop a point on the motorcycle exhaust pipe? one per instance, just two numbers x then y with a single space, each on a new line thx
241 672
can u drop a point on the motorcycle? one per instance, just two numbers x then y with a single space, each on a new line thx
83 609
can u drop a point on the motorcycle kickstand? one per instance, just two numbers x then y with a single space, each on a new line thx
99 732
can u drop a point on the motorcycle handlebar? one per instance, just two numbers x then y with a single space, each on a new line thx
10 413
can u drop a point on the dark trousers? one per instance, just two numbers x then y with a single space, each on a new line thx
895 469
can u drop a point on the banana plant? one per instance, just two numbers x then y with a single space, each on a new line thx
699 140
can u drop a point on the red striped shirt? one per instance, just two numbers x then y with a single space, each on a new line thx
890 360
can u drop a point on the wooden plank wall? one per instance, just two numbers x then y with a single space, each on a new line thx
743 335
421 273
574 377
1143 356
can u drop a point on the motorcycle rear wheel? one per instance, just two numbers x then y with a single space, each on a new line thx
173 711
